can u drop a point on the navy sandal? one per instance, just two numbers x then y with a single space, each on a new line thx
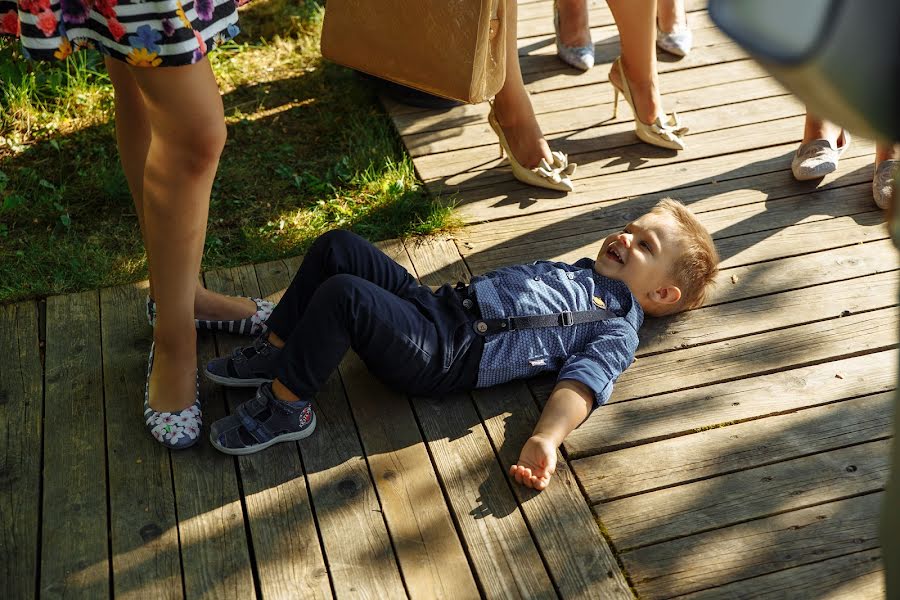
176 430
261 422
252 325
248 366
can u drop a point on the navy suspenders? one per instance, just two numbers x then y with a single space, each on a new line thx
564 319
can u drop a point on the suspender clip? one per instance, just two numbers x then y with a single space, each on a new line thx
566 319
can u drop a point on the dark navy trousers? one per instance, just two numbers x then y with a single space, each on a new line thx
349 294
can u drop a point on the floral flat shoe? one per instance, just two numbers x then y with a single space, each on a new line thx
252 325
176 430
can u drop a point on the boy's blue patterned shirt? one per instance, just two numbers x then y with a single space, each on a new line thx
594 354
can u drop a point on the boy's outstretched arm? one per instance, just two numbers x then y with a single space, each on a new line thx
570 403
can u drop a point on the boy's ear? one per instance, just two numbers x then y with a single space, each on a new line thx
669 294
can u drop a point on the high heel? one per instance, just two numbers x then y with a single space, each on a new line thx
580 57
553 176
664 135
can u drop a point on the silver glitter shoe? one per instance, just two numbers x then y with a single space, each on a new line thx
883 182
678 41
818 158
580 57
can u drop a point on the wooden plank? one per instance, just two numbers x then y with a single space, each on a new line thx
501 549
696 80
770 312
756 548
773 188
759 354
437 261
143 526
857 576
428 548
723 501
471 163
358 550
545 73
645 420
421 527
761 219
214 545
511 198
726 449
21 407
74 557
578 557
532 32
278 506
757 99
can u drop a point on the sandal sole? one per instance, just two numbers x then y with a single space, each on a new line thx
284 437
235 382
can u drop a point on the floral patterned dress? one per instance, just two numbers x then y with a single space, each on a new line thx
143 33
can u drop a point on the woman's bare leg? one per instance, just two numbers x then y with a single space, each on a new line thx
815 128
512 106
574 25
670 14
133 140
187 134
636 21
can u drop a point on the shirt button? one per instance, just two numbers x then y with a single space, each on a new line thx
537 278
570 275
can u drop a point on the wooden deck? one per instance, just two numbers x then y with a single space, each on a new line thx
744 454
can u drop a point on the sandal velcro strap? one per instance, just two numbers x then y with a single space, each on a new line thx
253 426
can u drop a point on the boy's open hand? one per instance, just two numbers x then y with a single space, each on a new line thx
537 463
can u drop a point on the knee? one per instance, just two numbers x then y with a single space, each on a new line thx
200 151
336 238
330 248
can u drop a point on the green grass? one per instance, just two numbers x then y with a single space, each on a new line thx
309 149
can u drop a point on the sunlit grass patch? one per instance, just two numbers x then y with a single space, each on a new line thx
309 149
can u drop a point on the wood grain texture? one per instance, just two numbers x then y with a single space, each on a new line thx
723 501
361 560
143 526
580 560
756 548
720 450
500 546
857 576
21 406
214 545
677 413
74 554
424 538
278 505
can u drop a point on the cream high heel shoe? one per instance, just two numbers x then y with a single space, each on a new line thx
553 176
664 135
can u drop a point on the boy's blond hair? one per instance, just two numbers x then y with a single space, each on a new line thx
698 264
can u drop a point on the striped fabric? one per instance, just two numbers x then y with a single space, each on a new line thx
142 33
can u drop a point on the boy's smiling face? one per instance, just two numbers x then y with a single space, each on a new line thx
643 255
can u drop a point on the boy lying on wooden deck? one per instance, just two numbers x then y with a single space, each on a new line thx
578 319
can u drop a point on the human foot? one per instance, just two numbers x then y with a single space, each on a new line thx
536 464
523 134
644 92
216 312
175 420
